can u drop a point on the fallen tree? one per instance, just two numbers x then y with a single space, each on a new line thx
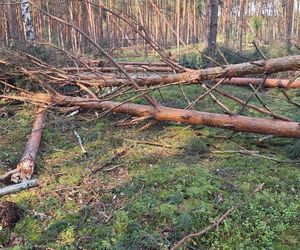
128 68
18 64
111 81
25 168
269 83
289 63
236 123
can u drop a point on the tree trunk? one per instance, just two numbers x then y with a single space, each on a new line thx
26 15
26 166
11 26
236 123
289 23
242 10
213 26
226 22
289 63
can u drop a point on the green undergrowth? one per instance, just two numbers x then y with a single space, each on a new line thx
156 195
192 58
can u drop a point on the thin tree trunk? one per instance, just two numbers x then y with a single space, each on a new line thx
11 26
242 13
213 26
289 23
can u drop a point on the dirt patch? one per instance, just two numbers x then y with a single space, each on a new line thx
10 214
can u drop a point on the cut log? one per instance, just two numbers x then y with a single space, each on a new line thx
236 123
26 166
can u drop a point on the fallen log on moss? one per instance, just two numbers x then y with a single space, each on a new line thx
27 163
25 168
236 123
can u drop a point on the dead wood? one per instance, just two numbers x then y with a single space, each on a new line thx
80 142
270 83
128 68
236 123
25 168
18 187
289 63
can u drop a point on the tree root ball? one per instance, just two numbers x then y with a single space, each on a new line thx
10 214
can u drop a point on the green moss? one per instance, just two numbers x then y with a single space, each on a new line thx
161 194
4 236
29 228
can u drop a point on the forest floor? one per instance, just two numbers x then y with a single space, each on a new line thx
154 195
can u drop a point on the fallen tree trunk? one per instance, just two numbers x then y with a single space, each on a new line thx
236 123
26 166
128 68
269 83
289 63
235 81
18 187
99 62
159 64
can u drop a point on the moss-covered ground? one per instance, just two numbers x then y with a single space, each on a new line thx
155 195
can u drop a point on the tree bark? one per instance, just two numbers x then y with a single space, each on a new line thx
26 166
236 123
213 26
11 23
289 23
269 83
242 13
26 15
289 63
18 187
